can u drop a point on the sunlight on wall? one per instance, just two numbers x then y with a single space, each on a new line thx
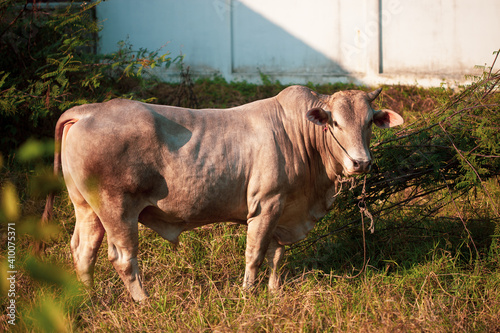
364 41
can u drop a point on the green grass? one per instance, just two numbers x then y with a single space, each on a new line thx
423 274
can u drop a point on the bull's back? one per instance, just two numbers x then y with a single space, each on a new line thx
186 162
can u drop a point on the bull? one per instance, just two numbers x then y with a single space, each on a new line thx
272 165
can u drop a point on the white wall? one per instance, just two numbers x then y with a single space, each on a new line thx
363 41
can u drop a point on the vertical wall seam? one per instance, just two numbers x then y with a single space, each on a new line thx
380 40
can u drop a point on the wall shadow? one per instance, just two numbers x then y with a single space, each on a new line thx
259 45
221 38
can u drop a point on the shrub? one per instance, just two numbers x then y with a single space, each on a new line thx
48 65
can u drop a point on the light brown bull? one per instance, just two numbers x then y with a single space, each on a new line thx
271 164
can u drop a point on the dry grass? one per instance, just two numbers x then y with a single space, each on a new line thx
196 288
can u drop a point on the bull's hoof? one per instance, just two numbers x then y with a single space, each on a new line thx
139 295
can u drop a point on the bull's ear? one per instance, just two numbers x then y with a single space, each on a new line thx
319 116
387 118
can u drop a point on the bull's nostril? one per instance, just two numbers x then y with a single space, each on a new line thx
360 165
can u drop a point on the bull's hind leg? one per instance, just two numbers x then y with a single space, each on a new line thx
86 240
123 243
122 252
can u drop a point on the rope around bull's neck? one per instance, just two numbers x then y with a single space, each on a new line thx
363 211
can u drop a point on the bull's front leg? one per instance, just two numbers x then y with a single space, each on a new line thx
259 236
274 257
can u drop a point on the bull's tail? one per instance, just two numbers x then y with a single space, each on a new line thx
67 119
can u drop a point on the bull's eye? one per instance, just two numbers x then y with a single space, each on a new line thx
335 124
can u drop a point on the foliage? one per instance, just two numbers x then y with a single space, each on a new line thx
57 292
48 65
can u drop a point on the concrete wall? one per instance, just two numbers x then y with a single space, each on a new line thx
363 41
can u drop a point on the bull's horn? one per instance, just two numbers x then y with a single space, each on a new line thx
372 95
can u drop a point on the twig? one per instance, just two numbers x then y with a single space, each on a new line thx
14 20
304 245
492 65
493 85
441 147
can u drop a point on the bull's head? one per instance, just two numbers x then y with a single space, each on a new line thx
347 123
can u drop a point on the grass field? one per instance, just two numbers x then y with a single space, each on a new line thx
425 272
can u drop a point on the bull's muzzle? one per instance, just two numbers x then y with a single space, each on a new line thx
359 166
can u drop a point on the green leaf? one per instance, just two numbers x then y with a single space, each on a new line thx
34 149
